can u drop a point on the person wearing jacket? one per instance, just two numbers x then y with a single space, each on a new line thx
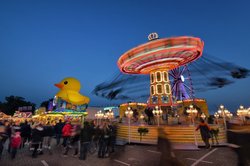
75 136
112 139
37 134
3 137
66 132
85 138
48 134
58 131
9 131
103 141
205 132
25 133
15 144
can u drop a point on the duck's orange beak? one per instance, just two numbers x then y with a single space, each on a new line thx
59 85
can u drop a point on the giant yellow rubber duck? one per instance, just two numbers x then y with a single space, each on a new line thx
69 91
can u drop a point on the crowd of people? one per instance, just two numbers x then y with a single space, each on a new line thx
79 138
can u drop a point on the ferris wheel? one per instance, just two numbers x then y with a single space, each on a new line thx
181 83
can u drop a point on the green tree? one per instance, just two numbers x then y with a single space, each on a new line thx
12 103
142 131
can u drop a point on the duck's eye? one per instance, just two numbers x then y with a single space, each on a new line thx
65 82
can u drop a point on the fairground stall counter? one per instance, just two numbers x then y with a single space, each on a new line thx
69 102
3 116
68 111
135 107
22 116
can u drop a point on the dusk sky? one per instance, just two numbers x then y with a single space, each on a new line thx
44 41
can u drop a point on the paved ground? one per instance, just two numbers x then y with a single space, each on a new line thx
129 155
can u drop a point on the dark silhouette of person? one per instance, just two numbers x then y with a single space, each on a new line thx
205 132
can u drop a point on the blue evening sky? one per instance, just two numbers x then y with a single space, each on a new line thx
43 41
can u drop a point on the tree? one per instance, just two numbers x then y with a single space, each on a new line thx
46 103
142 131
12 103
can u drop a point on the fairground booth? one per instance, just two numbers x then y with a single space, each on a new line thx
68 104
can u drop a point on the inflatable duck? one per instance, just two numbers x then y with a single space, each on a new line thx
69 91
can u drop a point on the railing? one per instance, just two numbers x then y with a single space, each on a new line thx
176 134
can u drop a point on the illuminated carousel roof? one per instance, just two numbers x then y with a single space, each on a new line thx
167 54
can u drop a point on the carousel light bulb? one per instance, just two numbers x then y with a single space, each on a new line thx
203 116
216 115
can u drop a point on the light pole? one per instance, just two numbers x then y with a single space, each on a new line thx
158 113
216 115
98 116
129 114
248 113
242 113
105 117
223 112
193 111
110 114
229 115
203 116
141 118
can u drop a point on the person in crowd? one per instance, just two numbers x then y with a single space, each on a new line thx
205 132
85 138
113 131
3 137
15 143
16 127
135 115
96 135
214 135
150 115
25 133
8 128
66 133
74 141
37 134
48 134
58 131
103 141
167 157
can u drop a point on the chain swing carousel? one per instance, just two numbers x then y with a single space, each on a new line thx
160 58
164 60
